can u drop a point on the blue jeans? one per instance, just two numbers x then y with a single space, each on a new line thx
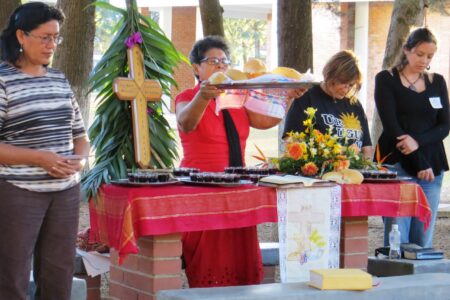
411 229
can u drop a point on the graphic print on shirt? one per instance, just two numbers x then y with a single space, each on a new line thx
347 126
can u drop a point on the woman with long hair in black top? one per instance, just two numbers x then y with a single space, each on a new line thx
414 110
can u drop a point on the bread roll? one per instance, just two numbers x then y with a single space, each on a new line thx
344 176
218 78
235 74
254 67
288 72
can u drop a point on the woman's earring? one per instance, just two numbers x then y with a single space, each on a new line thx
20 49
428 67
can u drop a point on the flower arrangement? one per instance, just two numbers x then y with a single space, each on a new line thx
312 153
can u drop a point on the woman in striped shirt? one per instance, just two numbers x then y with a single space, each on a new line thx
42 138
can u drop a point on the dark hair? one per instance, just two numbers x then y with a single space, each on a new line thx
26 17
415 38
202 46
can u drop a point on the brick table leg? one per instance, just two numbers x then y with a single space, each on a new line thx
354 242
156 267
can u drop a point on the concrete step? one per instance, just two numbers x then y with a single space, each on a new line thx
79 289
411 287
270 254
444 210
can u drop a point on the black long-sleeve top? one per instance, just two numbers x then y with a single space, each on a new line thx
424 116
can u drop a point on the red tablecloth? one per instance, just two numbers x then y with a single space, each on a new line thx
385 199
120 215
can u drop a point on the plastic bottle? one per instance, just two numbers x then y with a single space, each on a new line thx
394 243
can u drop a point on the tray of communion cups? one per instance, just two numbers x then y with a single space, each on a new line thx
156 177
382 176
231 177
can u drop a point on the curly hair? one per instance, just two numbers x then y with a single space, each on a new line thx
202 46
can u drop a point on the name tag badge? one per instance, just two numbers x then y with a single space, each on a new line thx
435 102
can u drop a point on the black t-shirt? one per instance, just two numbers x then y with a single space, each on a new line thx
348 119
424 116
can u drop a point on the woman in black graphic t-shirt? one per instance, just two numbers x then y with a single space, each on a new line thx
414 110
336 103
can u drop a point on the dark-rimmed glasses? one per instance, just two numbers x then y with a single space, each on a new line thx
215 61
46 39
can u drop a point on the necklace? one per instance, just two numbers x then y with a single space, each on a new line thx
412 85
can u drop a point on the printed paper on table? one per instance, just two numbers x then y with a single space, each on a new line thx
309 230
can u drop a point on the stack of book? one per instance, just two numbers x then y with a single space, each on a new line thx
413 251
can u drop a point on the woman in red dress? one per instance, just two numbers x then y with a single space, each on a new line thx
211 142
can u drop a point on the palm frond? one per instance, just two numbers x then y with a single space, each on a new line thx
111 132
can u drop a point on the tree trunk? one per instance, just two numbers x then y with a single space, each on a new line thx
8 6
212 19
74 55
405 14
295 46
130 4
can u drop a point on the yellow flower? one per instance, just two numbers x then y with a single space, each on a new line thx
312 151
310 112
337 148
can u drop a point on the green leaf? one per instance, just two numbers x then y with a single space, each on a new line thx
111 132
106 5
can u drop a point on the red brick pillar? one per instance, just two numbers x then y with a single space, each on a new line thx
156 267
183 37
354 242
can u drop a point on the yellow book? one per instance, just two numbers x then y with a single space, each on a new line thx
340 279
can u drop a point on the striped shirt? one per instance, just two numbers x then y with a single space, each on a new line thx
40 113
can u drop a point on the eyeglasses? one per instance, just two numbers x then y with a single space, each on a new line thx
216 61
47 39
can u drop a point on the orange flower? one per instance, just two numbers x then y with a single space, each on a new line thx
354 148
295 150
341 164
309 169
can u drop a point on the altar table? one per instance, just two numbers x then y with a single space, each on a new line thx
144 223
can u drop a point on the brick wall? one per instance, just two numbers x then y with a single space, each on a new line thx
156 267
354 242
326 36
183 37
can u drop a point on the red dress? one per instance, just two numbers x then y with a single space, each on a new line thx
217 257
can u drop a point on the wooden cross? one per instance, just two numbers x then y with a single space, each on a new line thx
138 90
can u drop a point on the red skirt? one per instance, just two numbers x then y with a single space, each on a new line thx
222 257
